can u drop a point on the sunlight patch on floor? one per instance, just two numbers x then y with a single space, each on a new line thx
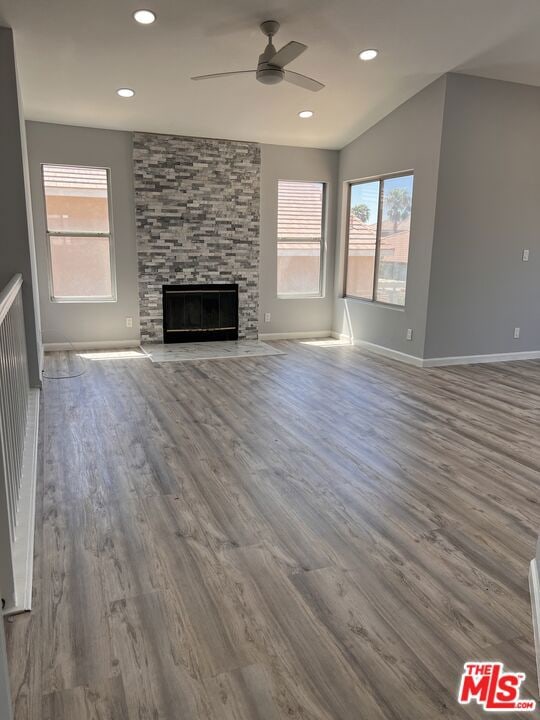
112 355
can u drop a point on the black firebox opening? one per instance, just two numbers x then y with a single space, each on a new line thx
192 313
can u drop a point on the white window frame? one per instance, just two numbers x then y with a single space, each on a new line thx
350 184
63 233
322 258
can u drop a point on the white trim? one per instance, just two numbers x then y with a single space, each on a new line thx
440 361
534 588
390 353
8 295
384 351
113 297
41 359
74 300
300 296
472 359
23 547
296 335
91 345
322 240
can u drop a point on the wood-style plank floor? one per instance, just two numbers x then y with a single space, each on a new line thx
323 535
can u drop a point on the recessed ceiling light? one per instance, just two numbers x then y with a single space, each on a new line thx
305 114
125 92
369 54
145 17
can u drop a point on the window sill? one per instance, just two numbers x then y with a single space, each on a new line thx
318 296
376 303
82 301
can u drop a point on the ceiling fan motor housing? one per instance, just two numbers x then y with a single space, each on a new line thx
269 75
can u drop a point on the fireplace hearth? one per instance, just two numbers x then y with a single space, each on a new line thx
194 313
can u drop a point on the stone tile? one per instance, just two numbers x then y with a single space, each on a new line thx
197 212
181 352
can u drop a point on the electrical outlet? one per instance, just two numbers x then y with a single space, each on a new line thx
409 334
129 322
525 255
516 333
267 317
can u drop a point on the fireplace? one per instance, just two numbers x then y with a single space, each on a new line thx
192 313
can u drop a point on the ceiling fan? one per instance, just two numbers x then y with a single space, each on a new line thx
270 69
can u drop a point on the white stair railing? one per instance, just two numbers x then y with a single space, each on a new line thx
17 459
534 588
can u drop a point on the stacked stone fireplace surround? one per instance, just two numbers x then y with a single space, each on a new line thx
197 204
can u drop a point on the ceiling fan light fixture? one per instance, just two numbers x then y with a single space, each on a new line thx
368 54
304 114
125 92
269 76
144 17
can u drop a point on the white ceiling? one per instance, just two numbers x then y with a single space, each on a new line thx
72 56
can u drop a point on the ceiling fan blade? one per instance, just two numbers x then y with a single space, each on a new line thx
302 81
216 75
287 54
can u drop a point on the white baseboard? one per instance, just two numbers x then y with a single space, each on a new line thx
295 335
390 353
381 350
473 359
91 345
23 547
41 359
441 361
534 589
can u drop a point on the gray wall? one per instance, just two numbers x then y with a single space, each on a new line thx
88 322
292 163
407 139
472 144
488 211
16 241
101 322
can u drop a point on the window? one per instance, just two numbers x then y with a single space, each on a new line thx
378 239
79 233
300 238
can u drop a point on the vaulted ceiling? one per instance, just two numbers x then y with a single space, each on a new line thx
73 55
